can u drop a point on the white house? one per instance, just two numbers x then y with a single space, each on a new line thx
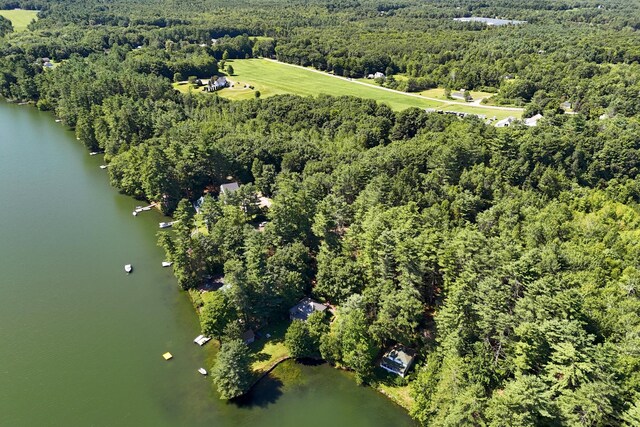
505 122
533 121
376 75
217 84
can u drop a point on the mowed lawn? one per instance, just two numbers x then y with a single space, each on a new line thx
20 18
274 78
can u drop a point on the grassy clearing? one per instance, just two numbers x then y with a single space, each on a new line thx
439 93
20 18
273 78
268 350
490 113
394 388
187 87
399 394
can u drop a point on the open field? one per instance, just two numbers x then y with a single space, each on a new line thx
273 78
20 18
439 93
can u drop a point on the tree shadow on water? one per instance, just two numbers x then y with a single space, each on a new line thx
310 362
266 392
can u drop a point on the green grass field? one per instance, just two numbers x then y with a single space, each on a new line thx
20 18
273 78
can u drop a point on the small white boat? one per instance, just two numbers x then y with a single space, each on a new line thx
58 120
103 166
166 263
128 268
93 153
146 208
135 213
202 371
165 224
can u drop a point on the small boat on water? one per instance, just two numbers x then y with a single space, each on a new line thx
165 224
135 213
146 208
103 166
166 263
128 268
58 120
202 371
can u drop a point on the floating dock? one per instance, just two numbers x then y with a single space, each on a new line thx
167 356
139 209
201 340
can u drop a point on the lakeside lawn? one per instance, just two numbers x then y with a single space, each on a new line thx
394 388
20 18
267 351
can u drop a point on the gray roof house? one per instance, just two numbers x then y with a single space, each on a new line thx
198 204
248 337
229 187
461 95
398 359
305 308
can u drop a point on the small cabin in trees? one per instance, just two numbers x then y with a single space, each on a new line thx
305 308
398 360
248 337
229 188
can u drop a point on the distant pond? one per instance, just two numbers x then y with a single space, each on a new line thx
490 21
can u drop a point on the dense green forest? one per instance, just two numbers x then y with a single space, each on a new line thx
509 258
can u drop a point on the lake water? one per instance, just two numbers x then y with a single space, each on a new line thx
490 21
81 342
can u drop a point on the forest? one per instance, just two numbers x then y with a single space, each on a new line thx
507 257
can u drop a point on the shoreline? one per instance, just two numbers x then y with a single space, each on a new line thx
262 373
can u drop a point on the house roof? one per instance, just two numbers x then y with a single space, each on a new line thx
505 122
399 358
533 121
305 307
248 335
229 187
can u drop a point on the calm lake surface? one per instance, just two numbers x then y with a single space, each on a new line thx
81 342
